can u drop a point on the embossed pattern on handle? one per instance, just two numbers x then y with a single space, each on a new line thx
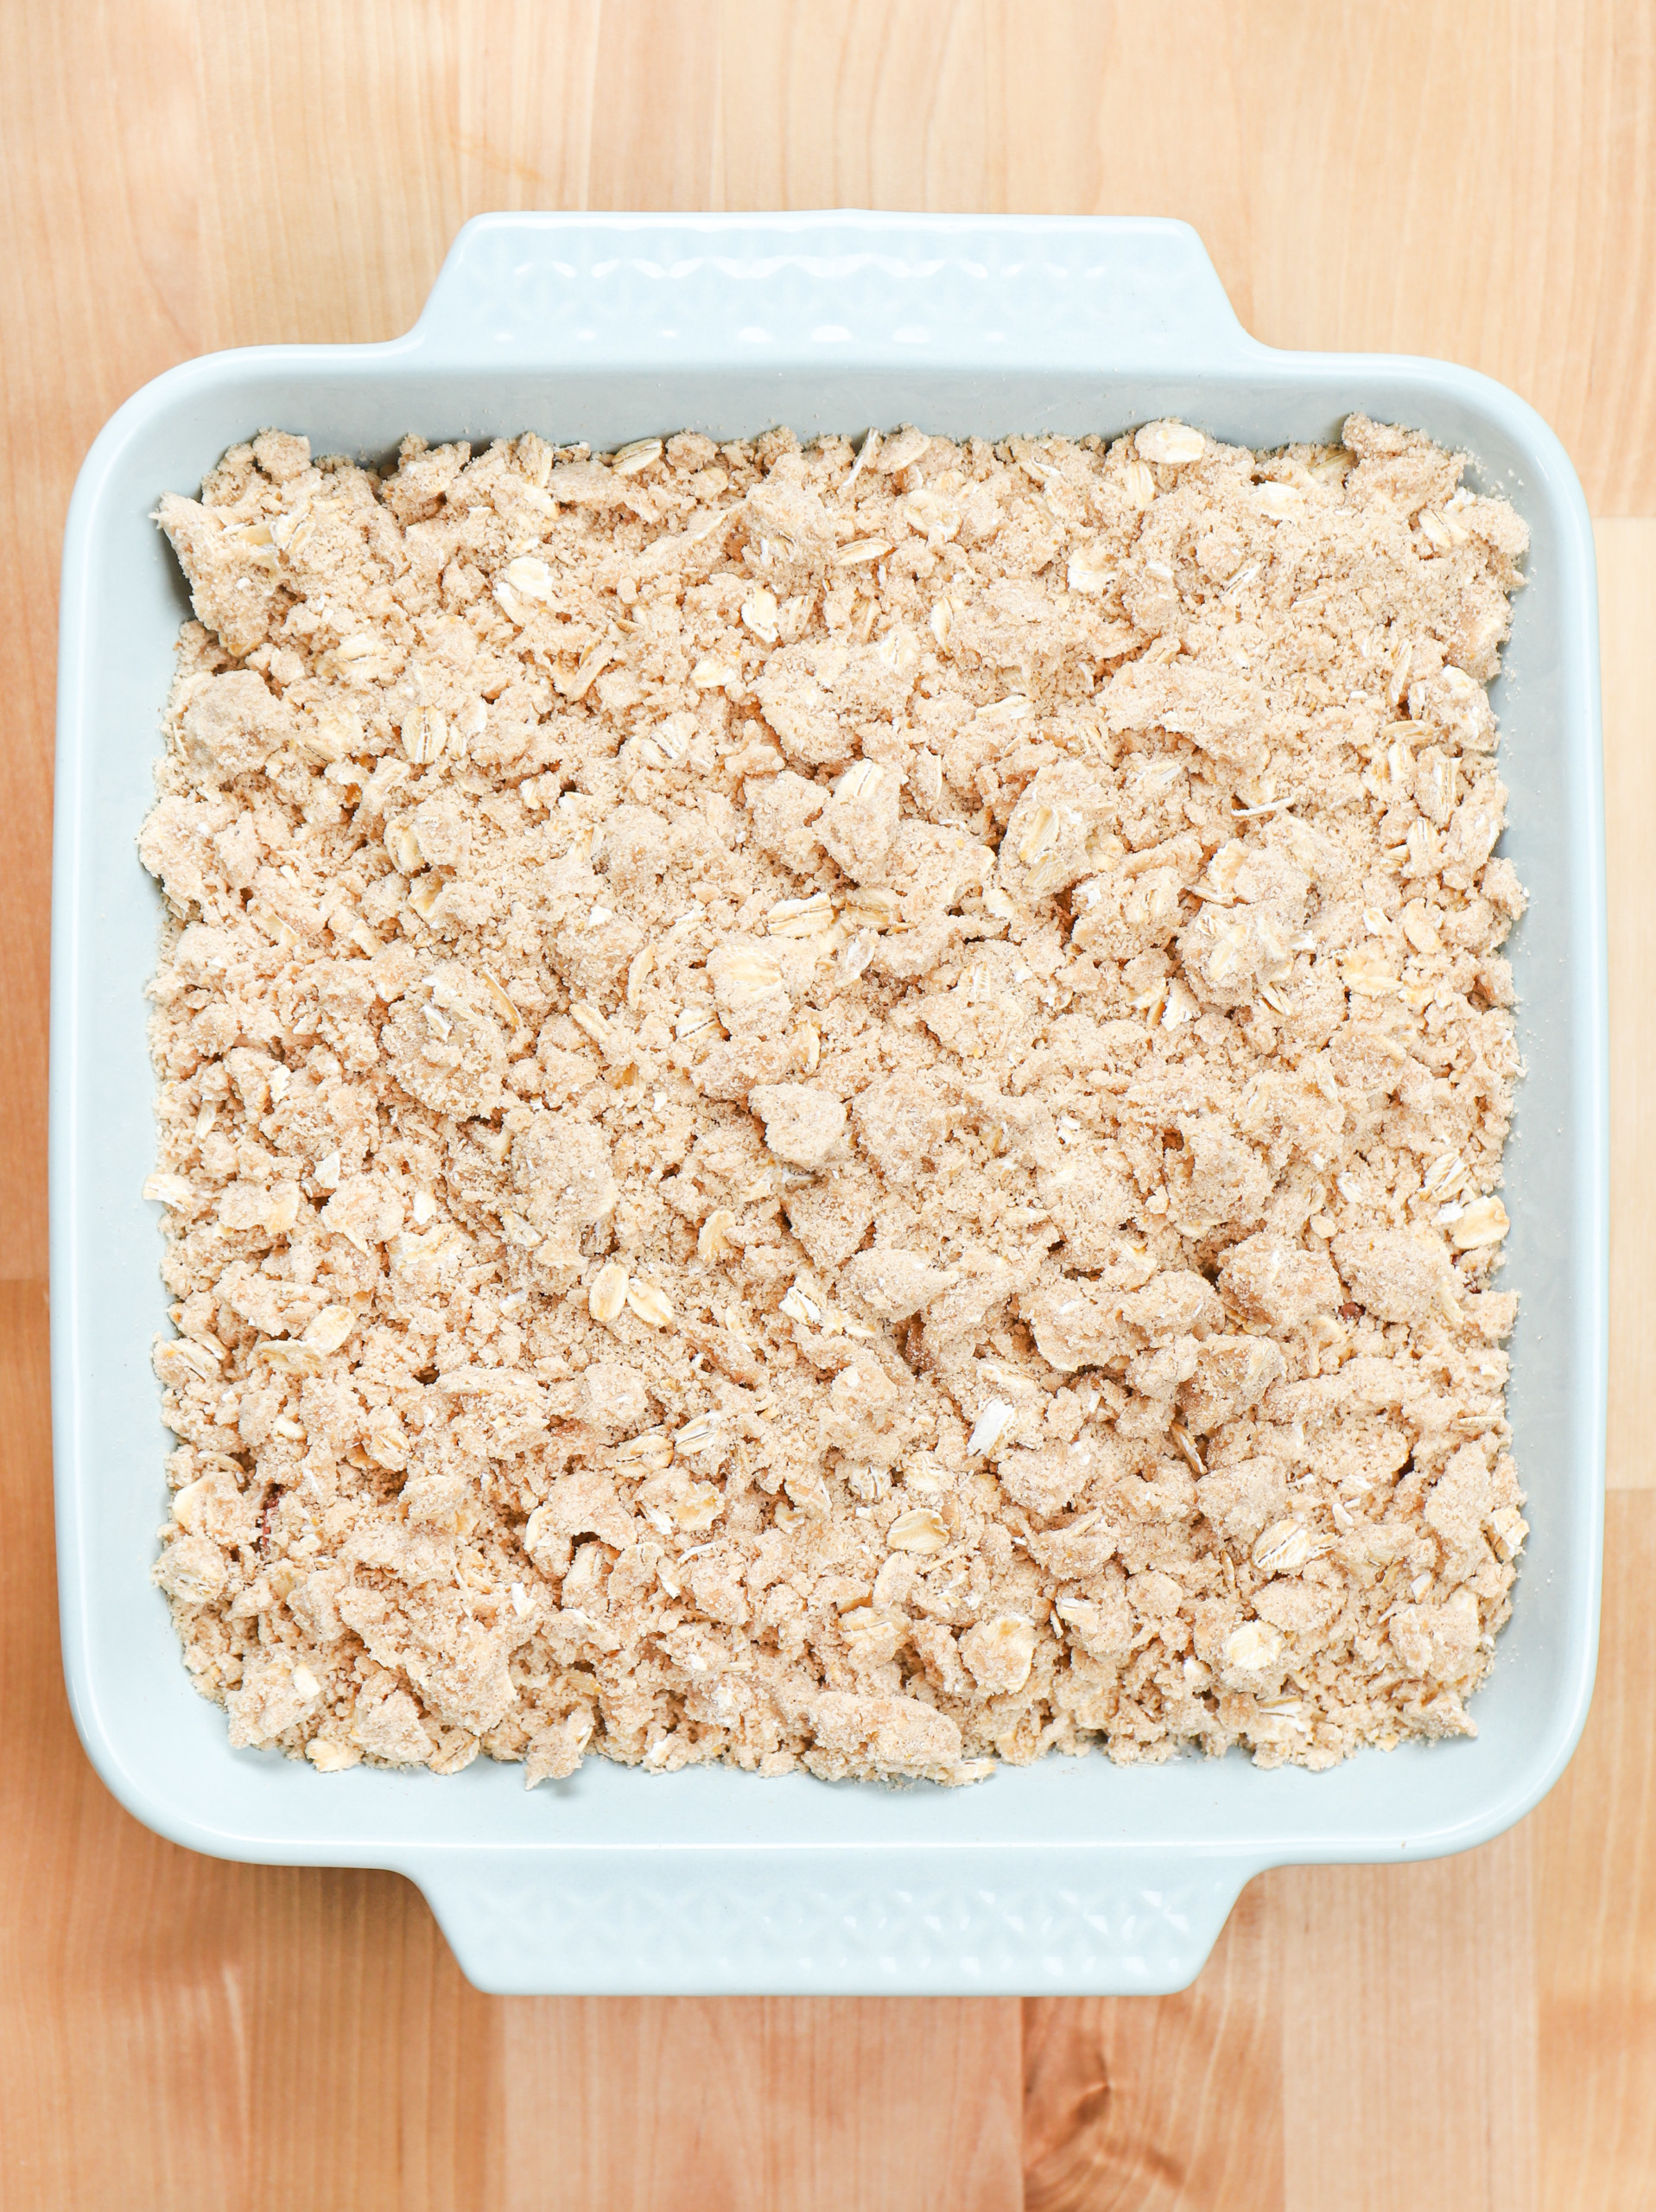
553 291
566 1927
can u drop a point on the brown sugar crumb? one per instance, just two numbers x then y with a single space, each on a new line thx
836 1110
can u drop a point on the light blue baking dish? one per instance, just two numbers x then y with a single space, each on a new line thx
1069 1875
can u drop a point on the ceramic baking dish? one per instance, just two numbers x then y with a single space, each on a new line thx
1072 1875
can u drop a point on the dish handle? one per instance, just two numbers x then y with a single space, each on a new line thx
525 1923
1073 294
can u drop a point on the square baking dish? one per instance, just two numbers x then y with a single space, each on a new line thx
1069 1875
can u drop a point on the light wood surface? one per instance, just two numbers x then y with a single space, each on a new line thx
1476 182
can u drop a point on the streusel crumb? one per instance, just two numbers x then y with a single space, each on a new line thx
836 1108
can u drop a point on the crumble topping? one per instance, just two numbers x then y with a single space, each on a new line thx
836 1108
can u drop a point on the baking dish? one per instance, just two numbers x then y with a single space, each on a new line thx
1069 1875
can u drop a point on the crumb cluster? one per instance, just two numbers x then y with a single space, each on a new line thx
836 1108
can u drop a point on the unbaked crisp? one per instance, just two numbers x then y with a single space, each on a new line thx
836 1108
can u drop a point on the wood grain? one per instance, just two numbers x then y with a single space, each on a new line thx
1163 2104
1595 1940
1627 556
1422 2091
1475 181
903 2105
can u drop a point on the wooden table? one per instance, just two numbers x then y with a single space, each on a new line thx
1478 181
